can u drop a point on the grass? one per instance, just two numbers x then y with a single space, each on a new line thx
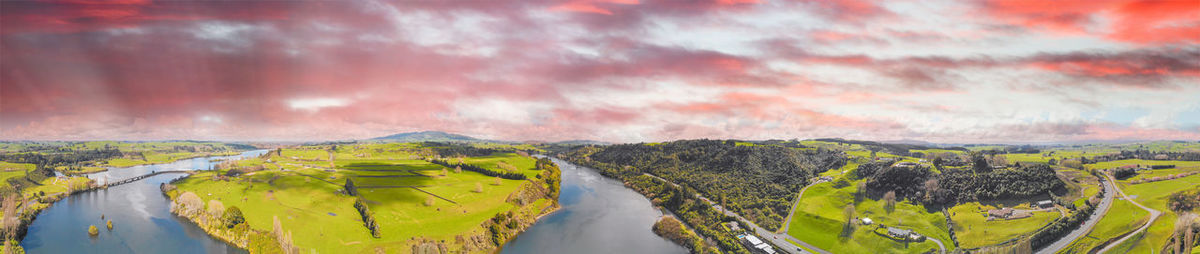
153 157
304 202
1122 217
974 230
1154 195
818 221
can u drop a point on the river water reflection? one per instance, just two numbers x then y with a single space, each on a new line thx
598 215
142 221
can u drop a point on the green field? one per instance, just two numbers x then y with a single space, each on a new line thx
1154 195
974 230
818 221
1122 217
307 196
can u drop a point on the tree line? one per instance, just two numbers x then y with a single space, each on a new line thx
481 170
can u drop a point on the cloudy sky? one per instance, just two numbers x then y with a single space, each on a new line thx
613 70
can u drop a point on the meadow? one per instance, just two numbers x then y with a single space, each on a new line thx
974 230
1154 195
412 201
819 220
1121 218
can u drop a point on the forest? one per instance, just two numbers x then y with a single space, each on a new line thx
759 182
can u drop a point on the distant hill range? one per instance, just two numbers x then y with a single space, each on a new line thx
431 136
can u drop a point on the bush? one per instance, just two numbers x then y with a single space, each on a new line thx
93 231
232 217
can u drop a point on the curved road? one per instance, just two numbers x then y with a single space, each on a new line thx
775 238
1086 227
1153 216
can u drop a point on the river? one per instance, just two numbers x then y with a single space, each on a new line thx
598 215
142 221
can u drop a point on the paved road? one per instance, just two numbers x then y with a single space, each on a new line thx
1087 225
777 239
787 222
1153 216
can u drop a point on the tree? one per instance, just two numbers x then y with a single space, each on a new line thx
478 188
93 231
889 200
11 222
109 225
284 239
931 190
979 162
428 201
458 169
350 188
860 191
190 203
232 217
999 160
497 181
1184 226
216 208
848 213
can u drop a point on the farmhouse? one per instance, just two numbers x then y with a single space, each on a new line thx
867 221
1002 213
898 232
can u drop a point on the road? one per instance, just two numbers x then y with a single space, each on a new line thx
1087 225
787 222
777 239
1153 216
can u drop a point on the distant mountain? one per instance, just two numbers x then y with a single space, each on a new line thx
434 136
580 142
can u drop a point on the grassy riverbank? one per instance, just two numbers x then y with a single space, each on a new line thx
415 203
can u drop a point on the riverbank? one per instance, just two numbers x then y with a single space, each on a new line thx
368 200
210 218
126 206
125 163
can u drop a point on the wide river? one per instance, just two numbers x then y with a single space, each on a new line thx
142 221
598 215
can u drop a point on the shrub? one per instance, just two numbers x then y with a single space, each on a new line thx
232 217
93 231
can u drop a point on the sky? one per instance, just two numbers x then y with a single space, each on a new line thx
991 71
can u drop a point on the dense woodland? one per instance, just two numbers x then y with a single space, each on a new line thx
919 183
760 182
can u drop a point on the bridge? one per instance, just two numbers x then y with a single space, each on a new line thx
140 177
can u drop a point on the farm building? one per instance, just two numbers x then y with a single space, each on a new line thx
1045 204
756 245
1002 213
867 221
898 232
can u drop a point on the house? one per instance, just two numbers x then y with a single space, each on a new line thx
1002 213
867 221
1045 204
733 226
898 232
906 164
